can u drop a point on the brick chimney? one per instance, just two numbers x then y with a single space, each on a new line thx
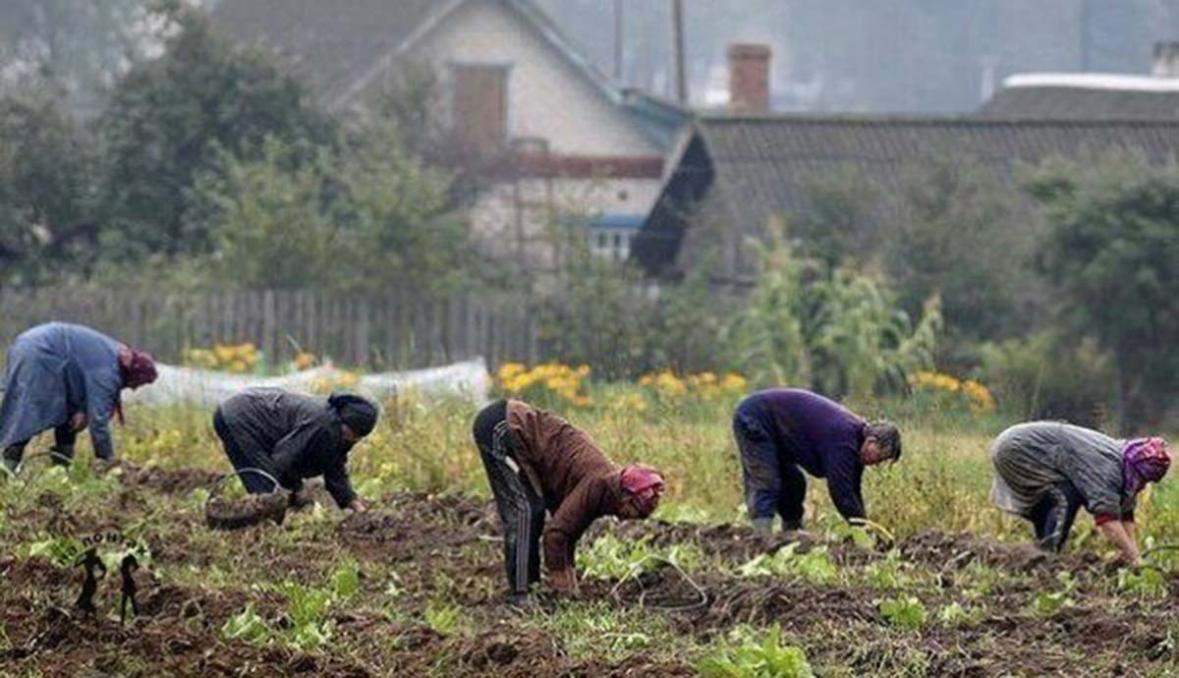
1166 60
749 78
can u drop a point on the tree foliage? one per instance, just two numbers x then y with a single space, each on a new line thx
958 233
365 217
1111 254
170 118
44 187
836 330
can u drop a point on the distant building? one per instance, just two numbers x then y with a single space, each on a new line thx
558 137
1092 96
731 173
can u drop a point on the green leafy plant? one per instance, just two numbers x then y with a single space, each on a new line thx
346 579
905 613
247 626
610 557
442 617
1048 603
307 608
62 551
814 566
954 614
1146 582
887 573
768 658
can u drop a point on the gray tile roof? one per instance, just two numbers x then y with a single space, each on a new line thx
744 170
1080 103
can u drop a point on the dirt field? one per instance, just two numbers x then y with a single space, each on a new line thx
428 596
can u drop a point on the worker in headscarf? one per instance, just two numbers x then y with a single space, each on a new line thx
66 377
1046 470
291 436
535 461
780 432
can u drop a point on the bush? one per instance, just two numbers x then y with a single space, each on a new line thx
1045 377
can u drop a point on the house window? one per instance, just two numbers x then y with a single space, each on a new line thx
602 241
480 106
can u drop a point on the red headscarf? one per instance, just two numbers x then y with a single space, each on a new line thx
644 485
138 369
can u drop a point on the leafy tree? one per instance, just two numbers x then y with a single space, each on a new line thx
839 220
366 217
1050 375
403 230
836 330
169 118
268 218
599 314
1111 253
686 320
957 232
44 188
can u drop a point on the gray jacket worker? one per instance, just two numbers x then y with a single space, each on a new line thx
1046 470
292 436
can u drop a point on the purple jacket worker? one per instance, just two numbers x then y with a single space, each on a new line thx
781 432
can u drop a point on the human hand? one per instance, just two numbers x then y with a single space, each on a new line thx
78 422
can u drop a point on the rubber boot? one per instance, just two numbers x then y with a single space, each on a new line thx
62 455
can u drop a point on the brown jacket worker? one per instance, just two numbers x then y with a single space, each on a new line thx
536 460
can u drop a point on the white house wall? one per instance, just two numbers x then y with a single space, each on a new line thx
547 97
511 220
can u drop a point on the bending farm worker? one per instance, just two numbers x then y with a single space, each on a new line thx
292 436
535 461
780 432
66 378
1046 470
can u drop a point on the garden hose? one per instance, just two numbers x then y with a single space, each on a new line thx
217 484
637 568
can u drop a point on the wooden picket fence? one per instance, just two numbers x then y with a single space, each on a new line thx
393 331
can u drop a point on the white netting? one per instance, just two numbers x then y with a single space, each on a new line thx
468 379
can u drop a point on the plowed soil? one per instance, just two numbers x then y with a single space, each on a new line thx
417 552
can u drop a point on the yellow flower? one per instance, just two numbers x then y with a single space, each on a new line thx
509 370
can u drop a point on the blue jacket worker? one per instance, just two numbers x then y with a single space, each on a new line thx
782 432
291 436
66 377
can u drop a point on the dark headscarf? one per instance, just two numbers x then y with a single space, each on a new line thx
358 412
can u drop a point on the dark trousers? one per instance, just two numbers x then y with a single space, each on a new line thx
1052 518
244 456
773 482
64 438
521 509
